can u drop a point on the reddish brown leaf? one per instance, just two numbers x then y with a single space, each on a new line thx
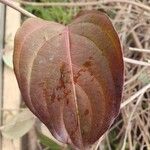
71 77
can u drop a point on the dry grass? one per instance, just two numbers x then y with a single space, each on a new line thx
132 128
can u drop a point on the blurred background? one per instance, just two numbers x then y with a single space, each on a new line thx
20 130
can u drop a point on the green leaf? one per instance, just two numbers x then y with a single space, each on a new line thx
7 58
19 125
58 14
44 140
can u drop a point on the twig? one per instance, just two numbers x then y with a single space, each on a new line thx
125 25
128 126
139 50
71 4
13 5
133 78
144 132
137 62
136 39
135 95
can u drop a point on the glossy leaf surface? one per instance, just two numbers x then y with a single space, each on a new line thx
71 77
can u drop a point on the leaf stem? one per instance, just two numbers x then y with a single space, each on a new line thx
13 5
141 91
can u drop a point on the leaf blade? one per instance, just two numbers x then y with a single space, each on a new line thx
74 81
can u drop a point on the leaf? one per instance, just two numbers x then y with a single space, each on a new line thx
58 14
7 58
71 77
48 142
19 125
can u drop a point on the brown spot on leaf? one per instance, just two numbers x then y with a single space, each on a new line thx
86 112
53 96
87 64
58 98
67 101
79 74
61 83
67 92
